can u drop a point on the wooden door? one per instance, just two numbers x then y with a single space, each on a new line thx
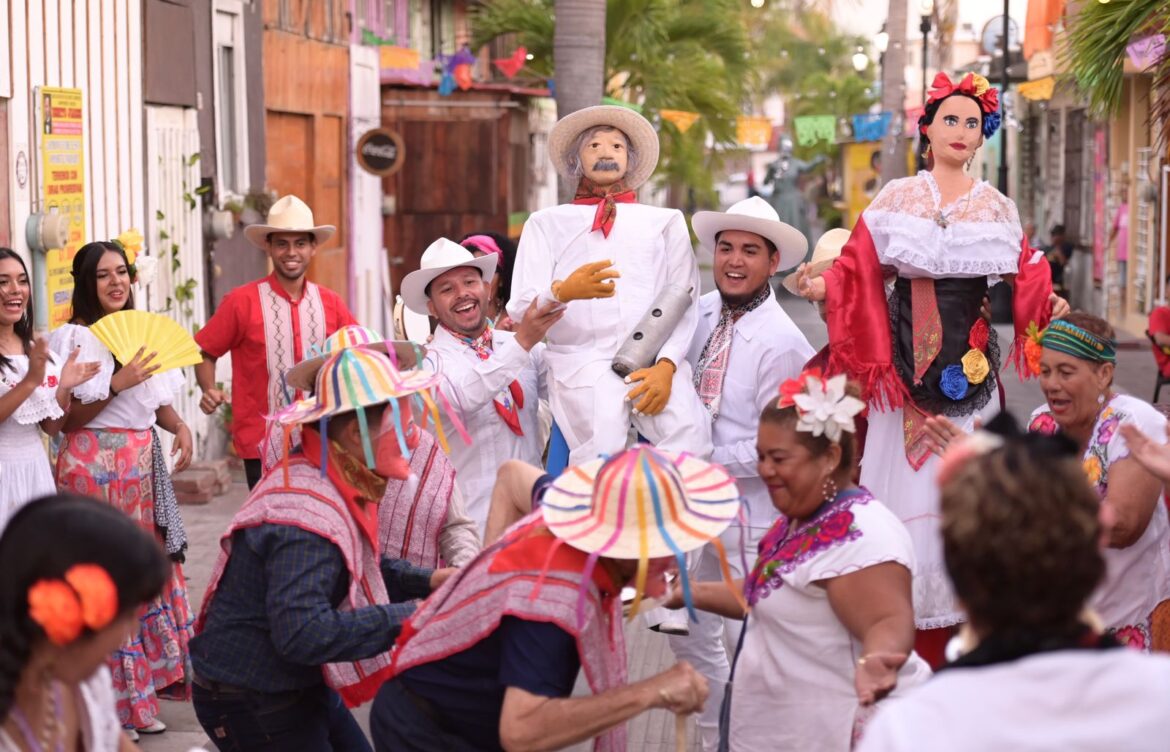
454 181
305 159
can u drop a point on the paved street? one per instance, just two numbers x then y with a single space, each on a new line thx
648 651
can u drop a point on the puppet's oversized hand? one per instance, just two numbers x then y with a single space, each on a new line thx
587 282
654 387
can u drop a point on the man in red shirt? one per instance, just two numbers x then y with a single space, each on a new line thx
270 324
1160 331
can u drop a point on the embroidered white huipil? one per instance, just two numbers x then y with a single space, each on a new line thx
472 385
651 248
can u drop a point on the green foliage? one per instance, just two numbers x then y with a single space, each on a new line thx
663 54
1094 52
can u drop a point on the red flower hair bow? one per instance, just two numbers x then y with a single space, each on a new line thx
971 84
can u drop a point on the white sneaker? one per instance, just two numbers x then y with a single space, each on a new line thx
131 734
156 727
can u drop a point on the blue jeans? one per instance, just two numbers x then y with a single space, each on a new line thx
307 720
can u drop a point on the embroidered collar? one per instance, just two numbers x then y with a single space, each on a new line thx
277 288
783 549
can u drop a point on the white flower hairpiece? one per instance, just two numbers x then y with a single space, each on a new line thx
825 408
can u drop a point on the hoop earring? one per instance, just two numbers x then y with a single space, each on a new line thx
829 489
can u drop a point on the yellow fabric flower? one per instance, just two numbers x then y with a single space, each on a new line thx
981 84
131 242
975 366
1093 469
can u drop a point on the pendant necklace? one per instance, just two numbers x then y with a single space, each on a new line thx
943 220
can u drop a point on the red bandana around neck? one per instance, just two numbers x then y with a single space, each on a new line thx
607 198
508 404
358 485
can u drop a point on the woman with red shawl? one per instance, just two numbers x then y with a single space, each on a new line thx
903 304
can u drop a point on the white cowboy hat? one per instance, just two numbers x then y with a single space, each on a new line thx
441 256
288 214
753 215
640 133
642 503
827 250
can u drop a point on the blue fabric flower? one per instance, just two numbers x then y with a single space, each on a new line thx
954 382
991 123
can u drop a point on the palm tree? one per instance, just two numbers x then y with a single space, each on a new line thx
579 57
1095 53
663 54
894 89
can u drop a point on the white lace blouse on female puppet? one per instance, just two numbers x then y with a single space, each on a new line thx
915 236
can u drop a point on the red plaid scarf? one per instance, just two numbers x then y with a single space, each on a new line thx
507 403
606 198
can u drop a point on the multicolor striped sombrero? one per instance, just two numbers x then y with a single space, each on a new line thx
643 504
353 378
406 354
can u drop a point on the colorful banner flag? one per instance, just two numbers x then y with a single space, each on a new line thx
680 119
397 57
871 127
1038 90
753 131
1146 52
512 64
812 129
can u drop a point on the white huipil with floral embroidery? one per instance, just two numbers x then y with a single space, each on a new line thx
794 677
25 473
981 238
1137 578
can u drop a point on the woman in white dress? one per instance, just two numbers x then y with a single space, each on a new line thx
110 452
1021 534
34 392
903 311
73 574
831 626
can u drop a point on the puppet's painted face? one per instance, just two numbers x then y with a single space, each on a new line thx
605 156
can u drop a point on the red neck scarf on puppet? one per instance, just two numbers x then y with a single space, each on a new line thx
607 198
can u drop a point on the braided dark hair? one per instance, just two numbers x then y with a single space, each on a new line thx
23 327
44 539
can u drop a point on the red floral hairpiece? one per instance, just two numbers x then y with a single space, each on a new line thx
972 85
85 597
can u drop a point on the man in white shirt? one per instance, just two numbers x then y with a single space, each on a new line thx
492 378
744 347
572 254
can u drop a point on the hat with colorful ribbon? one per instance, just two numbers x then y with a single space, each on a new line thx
404 353
643 504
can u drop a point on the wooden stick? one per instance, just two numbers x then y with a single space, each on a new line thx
680 733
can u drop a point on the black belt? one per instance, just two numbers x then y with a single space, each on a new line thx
222 688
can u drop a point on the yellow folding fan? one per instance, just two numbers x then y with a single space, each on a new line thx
124 332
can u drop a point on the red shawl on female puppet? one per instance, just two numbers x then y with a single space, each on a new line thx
860 340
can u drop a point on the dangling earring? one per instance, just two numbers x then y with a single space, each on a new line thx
970 160
926 154
1101 399
829 490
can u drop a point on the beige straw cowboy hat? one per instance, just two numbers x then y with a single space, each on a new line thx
827 250
757 216
640 133
288 214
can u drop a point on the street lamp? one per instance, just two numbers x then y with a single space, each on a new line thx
927 8
860 60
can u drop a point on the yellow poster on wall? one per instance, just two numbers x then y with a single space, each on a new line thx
861 176
62 188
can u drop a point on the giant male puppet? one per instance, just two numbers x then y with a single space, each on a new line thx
609 259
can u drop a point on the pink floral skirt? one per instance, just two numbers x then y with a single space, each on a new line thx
115 466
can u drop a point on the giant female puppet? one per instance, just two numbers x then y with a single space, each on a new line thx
608 259
904 318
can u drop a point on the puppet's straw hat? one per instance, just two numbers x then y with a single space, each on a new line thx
640 133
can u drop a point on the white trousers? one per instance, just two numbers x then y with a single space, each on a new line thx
591 410
711 643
